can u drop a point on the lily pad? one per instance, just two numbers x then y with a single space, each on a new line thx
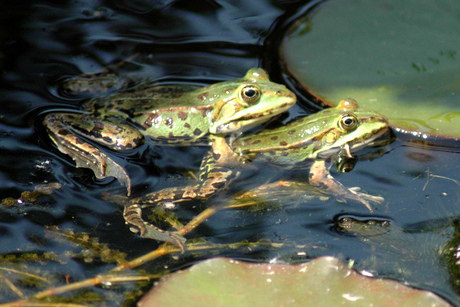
325 281
399 58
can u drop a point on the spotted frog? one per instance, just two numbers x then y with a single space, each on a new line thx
304 143
204 116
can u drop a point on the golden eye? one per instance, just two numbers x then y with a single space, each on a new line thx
348 122
250 94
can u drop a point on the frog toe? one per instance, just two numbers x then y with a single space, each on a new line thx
155 233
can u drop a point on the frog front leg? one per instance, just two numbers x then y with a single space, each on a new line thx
68 131
320 178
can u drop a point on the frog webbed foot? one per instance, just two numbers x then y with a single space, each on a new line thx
133 217
155 233
321 178
368 197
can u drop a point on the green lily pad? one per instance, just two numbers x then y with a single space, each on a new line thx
399 58
325 281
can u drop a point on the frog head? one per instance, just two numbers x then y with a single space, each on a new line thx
346 129
247 102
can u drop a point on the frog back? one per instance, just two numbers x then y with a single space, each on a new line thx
296 141
166 115
190 116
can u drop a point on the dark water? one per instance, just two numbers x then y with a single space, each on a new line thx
197 42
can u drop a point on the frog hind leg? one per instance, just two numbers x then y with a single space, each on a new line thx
67 139
320 178
213 178
133 217
217 171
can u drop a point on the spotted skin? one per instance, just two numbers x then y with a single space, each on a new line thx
305 143
204 116
198 117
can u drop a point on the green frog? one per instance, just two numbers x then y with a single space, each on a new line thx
363 227
203 116
304 143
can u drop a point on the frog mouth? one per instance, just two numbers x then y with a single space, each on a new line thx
353 146
246 121
241 124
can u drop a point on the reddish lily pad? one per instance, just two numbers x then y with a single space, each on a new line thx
399 58
325 281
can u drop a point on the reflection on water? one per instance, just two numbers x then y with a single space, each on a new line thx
180 43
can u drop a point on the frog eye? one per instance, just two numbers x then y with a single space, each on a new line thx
250 94
348 122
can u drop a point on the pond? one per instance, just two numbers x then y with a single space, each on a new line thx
45 43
